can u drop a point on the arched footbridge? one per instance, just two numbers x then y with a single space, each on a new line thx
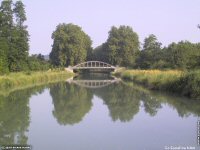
92 65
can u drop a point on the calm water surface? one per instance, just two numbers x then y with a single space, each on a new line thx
97 113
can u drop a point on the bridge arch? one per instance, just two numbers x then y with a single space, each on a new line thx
93 65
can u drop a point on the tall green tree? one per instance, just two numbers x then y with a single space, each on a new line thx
6 24
100 53
70 46
122 46
18 56
151 53
3 55
183 55
14 37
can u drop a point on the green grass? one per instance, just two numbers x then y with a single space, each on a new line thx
21 80
184 83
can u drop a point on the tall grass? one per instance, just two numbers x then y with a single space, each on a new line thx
184 83
18 80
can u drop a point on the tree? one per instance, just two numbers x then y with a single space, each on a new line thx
6 23
122 46
37 62
150 54
183 55
99 53
70 46
18 56
3 56
14 37
20 14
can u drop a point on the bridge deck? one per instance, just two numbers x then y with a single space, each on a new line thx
93 67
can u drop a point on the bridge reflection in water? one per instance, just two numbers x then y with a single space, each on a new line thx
93 84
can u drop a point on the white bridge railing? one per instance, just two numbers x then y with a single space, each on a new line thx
93 65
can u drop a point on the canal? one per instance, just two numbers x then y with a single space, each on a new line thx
97 112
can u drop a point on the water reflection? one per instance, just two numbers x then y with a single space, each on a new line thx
71 102
93 81
122 102
123 99
153 101
14 116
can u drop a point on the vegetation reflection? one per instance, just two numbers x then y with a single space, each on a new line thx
153 100
122 103
124 100
15 116
71 102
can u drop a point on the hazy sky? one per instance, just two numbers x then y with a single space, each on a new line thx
169 20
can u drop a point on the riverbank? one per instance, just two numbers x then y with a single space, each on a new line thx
21 80
183 83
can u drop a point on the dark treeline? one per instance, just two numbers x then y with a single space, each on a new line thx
122 48
181 55
14 37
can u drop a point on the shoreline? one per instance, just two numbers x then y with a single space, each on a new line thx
174 81
22 80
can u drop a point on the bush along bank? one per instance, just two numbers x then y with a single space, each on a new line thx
181 82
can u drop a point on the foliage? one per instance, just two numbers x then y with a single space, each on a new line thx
37 63
3 56
14 37
100 54
189 84
185 83
122 46
183 55
70 46
150 54
6 21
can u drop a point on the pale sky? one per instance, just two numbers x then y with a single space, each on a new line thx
169 20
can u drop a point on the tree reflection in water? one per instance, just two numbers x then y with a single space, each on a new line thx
122 103
15 116
123 100
71 102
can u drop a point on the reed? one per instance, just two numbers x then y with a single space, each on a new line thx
184 83
22 79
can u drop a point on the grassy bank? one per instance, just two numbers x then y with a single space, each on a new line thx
184 83
22 80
